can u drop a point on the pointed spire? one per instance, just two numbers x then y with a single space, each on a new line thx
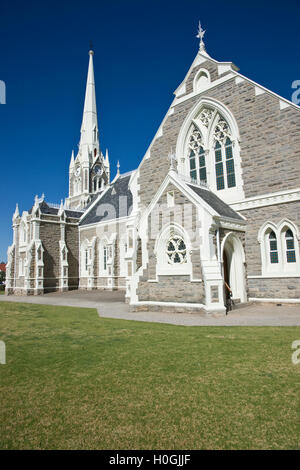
61 208
106 158
89 139
200 35
118 168
72 160
16 213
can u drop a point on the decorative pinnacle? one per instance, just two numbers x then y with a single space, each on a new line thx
172 159
200 36
118 168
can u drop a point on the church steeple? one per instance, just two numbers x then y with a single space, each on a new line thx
89 139
89 171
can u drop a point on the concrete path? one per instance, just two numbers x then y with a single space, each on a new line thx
111 305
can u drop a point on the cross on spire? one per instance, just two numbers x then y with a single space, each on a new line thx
200 35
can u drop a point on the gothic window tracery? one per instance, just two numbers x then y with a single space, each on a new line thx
197 156
224 160
176 250
210 150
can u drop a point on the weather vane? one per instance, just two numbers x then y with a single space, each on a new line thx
200 36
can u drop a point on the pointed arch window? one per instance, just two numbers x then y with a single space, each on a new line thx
229 164
224 158
197 156
273 248
105 258
290 247
219 166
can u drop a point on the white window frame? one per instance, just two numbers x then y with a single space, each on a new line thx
102 269
163 267
282 268
229 195
84 259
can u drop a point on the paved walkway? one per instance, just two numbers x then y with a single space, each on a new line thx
111 305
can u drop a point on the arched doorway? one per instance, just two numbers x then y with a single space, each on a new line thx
233 258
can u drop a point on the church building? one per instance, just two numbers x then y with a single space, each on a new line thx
212 210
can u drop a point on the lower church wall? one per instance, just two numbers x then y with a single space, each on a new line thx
101 283
269 287
274 288
171 289
255 219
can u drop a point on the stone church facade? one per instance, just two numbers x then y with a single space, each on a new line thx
221 212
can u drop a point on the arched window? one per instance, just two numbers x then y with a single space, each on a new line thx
208 149
86 259
172 251
202 79
229 164
219 166
176 250
224 160
273 248
105 258
197 156
279 248
290 247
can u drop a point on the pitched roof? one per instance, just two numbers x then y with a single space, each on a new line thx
51 210
215 202
116 202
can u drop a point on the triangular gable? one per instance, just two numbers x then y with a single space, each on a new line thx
198 196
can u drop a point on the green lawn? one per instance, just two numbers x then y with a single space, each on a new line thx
73 380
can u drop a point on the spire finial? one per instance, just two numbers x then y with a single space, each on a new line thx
91 52
200 35
118 168
16 214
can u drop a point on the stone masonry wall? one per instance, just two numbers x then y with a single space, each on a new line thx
169 288
72 242
50 236
269 146
102 231
270 287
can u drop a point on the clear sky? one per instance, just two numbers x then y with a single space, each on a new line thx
143 50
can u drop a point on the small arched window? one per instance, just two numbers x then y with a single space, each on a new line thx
290 247
273 248
86 259
104 258
201 80
176 250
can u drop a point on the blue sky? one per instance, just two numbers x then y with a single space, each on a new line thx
143 50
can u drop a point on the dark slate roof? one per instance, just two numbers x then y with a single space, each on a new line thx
93 198
215 202
48 209
116 202
73 214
